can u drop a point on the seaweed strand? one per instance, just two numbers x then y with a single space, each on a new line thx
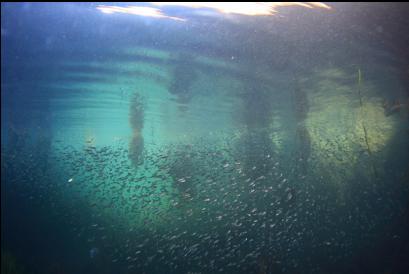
363 124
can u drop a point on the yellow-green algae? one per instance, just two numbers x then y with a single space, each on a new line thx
335 125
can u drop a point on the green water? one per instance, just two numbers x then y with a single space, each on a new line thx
218 143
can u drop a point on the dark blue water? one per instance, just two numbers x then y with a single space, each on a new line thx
148 138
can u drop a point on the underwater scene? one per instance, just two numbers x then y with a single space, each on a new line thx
208 137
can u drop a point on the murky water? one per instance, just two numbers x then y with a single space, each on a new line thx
152 138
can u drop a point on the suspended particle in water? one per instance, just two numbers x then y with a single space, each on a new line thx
93 252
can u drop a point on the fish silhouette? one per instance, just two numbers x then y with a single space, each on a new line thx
394 107
93 252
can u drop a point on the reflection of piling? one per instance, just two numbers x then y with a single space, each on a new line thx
181 170
183 76
301 108
254 147
136 119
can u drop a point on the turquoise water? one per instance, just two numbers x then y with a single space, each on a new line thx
177 139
